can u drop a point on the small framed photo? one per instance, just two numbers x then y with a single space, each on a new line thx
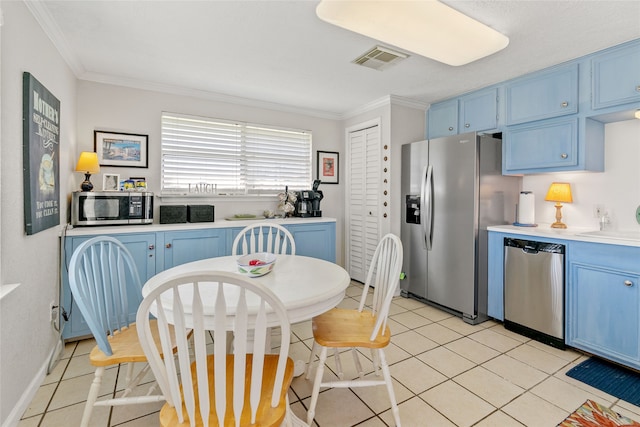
328 167
121 149
110 182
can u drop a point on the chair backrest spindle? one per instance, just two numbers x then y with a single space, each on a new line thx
102 278
264 237
384 277
239 305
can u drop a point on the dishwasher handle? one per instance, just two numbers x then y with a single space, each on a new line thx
532 247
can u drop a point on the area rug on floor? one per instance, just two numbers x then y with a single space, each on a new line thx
591 414
612 379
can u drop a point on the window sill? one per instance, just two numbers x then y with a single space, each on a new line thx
7 289
217 198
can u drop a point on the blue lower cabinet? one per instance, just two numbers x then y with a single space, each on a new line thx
495 276
603 301
159 250
315 240
602 295
180 247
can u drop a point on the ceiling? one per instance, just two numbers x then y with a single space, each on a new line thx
279 54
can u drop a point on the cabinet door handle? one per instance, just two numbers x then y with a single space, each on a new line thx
168 246
152 247
467 125
564 155
638 88
628 283
450 128
565 104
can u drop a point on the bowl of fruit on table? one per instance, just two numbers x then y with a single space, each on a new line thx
256 265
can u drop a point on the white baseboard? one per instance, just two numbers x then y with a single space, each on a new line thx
25 400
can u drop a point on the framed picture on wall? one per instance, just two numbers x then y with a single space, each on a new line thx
121 149
328 167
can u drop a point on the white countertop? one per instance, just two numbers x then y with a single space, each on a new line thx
624 238
152 228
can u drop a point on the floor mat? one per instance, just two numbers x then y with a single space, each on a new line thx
612 379
591 414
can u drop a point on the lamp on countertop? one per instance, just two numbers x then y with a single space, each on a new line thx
559 192
87 164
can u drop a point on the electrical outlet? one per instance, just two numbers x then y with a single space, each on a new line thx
53 311
599 211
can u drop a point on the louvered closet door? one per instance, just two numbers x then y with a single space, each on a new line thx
363 200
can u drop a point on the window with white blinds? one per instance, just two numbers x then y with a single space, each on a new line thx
219 157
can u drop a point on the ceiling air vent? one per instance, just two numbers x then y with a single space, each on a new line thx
380 58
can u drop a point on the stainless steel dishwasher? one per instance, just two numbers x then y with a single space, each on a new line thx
534 290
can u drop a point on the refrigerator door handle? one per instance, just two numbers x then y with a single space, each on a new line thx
427 208
423 207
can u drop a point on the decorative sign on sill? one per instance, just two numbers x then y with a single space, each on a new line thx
203 188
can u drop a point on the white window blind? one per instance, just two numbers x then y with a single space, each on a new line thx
204 155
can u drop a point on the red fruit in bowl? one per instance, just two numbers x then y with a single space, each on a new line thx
256 262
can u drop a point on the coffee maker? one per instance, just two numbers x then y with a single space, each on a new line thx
308 202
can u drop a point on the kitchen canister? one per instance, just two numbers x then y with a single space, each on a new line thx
526 209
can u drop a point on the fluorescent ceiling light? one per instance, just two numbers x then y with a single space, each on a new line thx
425 27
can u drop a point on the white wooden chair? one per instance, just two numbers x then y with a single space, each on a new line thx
264 237
363 328
245 388
104 282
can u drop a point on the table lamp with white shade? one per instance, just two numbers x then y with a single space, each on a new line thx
559 192
87 164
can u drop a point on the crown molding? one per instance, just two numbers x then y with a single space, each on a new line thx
385 101
203 94
408 102
51 29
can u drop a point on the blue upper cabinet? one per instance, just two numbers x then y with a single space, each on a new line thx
479 111
443 119
554 145
615 77
542 95
476 111
553 119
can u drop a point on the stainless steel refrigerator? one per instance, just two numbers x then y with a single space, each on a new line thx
453 189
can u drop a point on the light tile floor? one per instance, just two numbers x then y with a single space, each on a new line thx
446 373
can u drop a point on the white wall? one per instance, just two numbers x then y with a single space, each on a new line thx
123 109
26 336
407 125
617 188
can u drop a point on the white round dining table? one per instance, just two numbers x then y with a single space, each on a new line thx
306 286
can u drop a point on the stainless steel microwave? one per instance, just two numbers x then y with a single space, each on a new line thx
111 208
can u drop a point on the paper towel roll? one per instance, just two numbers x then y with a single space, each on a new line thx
526 208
